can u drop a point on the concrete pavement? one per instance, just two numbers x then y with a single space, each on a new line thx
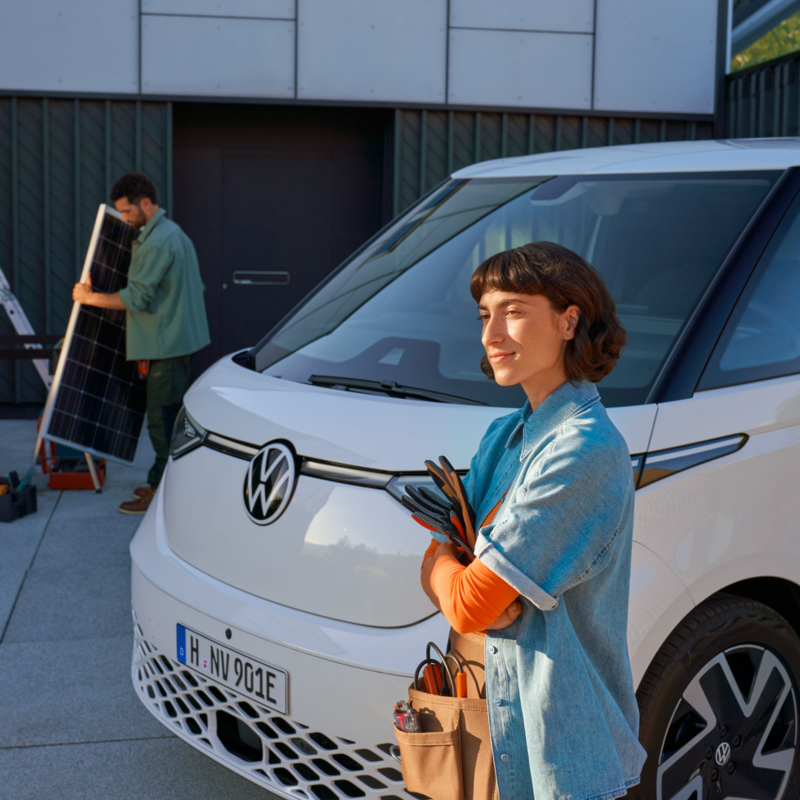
71 726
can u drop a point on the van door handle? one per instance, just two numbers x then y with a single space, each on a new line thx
260 277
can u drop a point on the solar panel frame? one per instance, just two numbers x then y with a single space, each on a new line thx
97 400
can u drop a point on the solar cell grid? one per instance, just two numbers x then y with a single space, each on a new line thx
97 399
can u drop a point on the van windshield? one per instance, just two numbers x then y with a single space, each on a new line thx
398 318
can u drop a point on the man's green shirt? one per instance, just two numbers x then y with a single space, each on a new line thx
166 313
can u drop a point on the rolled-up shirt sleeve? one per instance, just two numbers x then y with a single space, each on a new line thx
560 526
147 270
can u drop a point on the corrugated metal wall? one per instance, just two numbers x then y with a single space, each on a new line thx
60 157
764 100
432 144
58 161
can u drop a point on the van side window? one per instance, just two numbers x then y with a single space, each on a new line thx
762 337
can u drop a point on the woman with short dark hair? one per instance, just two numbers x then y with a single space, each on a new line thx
545 602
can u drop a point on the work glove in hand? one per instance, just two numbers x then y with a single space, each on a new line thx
450 514
432 513
464 512
436 515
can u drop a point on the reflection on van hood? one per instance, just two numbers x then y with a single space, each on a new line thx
346 427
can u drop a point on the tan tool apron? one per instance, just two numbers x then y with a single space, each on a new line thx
452 758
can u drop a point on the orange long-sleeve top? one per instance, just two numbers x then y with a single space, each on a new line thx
471 597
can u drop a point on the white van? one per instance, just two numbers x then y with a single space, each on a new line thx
277 608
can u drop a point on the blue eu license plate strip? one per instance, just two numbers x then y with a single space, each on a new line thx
181 644
241 673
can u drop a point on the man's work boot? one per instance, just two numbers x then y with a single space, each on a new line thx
143 491
139 505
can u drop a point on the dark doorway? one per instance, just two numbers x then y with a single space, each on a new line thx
274 198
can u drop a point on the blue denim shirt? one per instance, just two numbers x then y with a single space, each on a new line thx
562 710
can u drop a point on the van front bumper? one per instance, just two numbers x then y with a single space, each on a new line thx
335 741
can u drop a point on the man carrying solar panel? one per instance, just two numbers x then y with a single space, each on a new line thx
165 323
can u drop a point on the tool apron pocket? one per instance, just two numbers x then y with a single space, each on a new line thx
431 761
452 758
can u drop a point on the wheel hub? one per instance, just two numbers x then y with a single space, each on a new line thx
747 690
723 754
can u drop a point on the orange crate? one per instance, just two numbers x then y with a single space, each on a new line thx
72 473
68 472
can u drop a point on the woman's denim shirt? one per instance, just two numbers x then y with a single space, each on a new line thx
562 709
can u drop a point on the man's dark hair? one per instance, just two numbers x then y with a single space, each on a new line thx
135 186
565 279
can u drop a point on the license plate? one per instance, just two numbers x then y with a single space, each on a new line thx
254 679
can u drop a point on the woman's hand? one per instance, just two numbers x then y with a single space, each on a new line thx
507 617
446 549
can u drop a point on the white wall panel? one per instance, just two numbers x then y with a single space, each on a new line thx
535 70
261 9
54 45
656 56
373 50
573 16
225 57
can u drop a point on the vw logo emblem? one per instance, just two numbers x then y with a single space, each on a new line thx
723 754
269 483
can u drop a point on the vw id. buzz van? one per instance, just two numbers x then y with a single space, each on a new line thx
276 600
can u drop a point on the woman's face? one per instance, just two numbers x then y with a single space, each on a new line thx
525 339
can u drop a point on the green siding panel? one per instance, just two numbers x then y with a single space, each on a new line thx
490 133
517 135
764 100
7 368
58 160
432 144
156 149
61 214
30 279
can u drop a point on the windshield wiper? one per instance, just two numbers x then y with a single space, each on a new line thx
391 388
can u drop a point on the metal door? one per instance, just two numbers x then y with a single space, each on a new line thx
274 198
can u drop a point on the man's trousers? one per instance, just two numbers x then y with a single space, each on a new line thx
167 382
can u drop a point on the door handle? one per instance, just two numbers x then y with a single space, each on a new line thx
260 278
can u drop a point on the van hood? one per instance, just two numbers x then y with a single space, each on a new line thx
362 430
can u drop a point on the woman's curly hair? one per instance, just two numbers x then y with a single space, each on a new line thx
565 279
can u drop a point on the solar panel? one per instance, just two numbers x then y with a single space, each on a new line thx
97 399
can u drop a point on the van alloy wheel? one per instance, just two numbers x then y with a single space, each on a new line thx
719 707
733 731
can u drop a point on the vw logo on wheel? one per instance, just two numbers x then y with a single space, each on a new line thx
723 754
269 483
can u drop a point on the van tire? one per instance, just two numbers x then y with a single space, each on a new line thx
723 630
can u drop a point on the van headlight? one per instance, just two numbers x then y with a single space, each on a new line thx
186 435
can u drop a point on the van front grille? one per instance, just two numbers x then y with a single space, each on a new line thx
278 753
